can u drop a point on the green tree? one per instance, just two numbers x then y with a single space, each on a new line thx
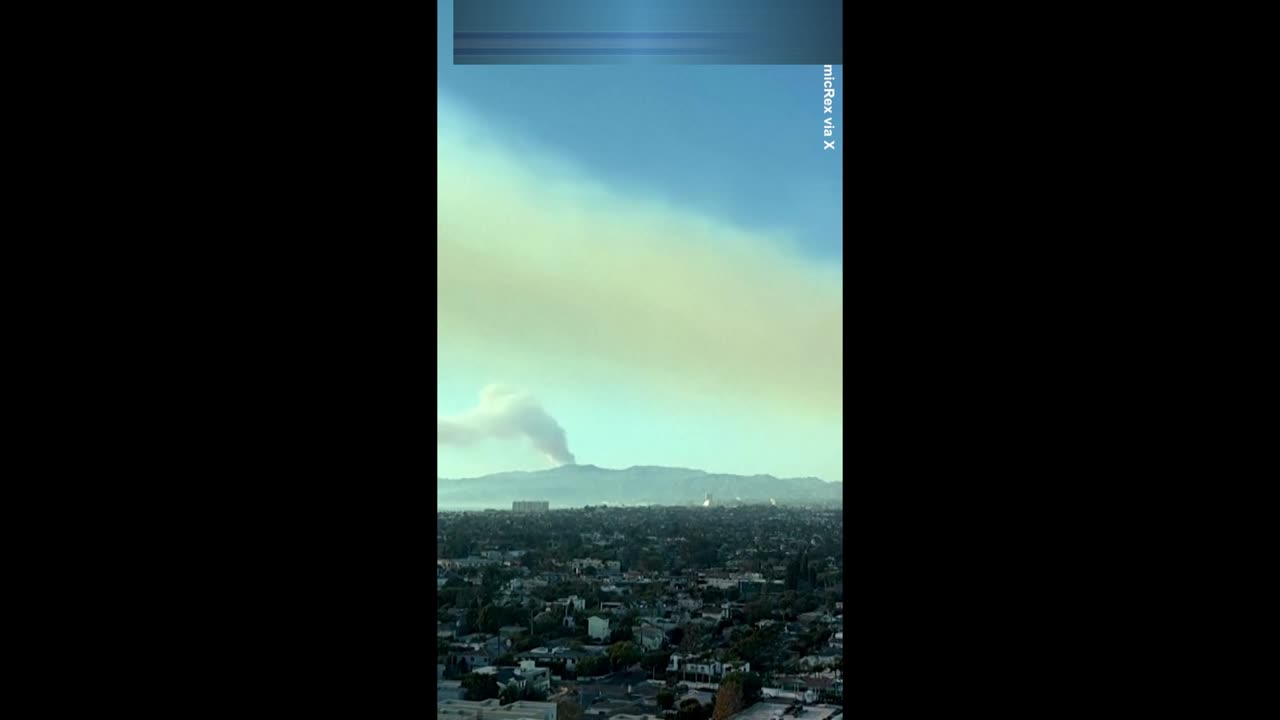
759 610
591 666
490 579
624 654
655 661
509 694
480 687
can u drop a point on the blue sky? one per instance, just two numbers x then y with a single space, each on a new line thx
652 253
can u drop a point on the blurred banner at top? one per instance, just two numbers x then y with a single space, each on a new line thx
699 32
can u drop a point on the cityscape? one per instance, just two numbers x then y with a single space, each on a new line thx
700 612
639 379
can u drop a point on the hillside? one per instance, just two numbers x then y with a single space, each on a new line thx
578 485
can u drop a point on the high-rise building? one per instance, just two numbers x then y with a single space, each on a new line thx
530 506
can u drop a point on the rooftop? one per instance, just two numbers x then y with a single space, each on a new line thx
772 709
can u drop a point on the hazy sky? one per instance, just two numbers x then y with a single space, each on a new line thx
638 265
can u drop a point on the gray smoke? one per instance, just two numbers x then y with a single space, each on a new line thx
506 413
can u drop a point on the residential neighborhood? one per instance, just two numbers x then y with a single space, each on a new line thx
649 613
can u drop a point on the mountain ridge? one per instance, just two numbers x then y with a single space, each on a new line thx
578 485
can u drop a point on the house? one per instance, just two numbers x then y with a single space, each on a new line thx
825 658
811 618
470 657
511 631
598 628
549 656
650 638
770 709
704 666
711 612
526 675
493 709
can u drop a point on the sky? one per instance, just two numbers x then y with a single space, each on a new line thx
637 265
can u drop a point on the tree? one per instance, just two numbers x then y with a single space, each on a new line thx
624 654
568 710
729 699
752 686
590 666
759 610
480 687
677 635
690 710
490 579
793 574
666 699
655 661
509 694
693 636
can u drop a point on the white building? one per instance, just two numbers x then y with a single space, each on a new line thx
650 638
527 675
493 710
598 628
706 667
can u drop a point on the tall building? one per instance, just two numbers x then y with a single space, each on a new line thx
530 506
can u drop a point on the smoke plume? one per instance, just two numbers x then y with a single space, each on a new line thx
506 413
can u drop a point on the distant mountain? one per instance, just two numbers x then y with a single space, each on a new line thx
578 485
